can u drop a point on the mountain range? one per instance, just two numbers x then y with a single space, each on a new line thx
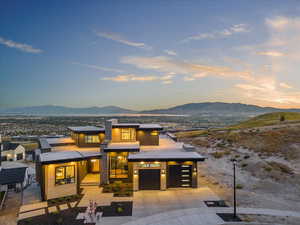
187 109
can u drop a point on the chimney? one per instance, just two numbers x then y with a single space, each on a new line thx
108 128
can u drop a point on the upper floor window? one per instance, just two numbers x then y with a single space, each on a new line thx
128 134
92 139
64 175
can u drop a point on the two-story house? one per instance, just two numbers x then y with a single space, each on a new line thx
130 152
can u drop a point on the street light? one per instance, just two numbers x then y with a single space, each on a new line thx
234 189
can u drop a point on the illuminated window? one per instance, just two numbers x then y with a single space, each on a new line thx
154 133
64 175
118 165
92 139
128 134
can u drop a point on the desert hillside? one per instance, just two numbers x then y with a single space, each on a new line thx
268 159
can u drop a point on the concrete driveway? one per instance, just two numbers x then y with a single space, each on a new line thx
147 203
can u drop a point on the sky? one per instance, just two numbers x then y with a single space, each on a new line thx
149 54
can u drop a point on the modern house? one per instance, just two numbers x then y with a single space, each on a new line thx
12 151
130 152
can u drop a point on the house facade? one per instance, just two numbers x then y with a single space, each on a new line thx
12 151
128 152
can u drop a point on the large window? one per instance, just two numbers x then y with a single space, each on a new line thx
92 139
118 165
128 134
64 175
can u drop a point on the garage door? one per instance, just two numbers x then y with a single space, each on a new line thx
179 176
149 179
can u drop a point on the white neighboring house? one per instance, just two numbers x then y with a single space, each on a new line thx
12 152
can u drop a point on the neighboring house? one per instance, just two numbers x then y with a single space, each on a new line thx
135 153
12 152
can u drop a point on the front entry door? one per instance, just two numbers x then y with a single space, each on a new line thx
94 165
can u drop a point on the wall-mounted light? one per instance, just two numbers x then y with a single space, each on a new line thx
163 172
156 162
142 162
195 169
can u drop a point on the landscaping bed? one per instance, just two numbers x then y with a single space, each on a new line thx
65 217
119 188
64 200
118 209
229 217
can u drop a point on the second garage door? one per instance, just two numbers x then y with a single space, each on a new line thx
149 179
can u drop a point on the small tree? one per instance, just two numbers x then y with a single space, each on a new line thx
282 118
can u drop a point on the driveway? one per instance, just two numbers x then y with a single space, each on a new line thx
147 203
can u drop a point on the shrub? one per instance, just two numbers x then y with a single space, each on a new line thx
244 164
246 156
239 186
218 155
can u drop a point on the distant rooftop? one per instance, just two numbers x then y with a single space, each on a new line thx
86 129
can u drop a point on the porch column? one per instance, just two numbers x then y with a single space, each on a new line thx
163 176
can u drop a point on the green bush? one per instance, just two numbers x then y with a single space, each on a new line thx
239 186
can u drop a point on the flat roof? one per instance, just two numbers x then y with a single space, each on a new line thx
166 150
125 125
86 129
60 141
66 156
150 126
123 146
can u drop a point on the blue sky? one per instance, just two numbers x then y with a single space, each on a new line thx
149 54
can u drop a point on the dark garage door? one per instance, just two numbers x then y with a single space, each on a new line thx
149 179
179 176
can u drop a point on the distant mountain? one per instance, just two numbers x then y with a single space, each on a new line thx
216 107
186 109
61 110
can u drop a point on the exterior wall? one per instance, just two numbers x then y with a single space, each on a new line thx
82 169
79 139
163 179
12 154
116 135
56 191
145 137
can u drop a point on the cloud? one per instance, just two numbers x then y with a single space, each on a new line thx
168 65
98 67
19 46
170 52
120 39
238 28
269 90
285 85
271 53
166 79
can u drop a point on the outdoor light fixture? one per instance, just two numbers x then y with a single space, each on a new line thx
163 172
234 189
135 172
156 162
142 162
195 169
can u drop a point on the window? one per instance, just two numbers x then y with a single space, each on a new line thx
19 156
92 139
4 158
64 175
118 165
128 134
